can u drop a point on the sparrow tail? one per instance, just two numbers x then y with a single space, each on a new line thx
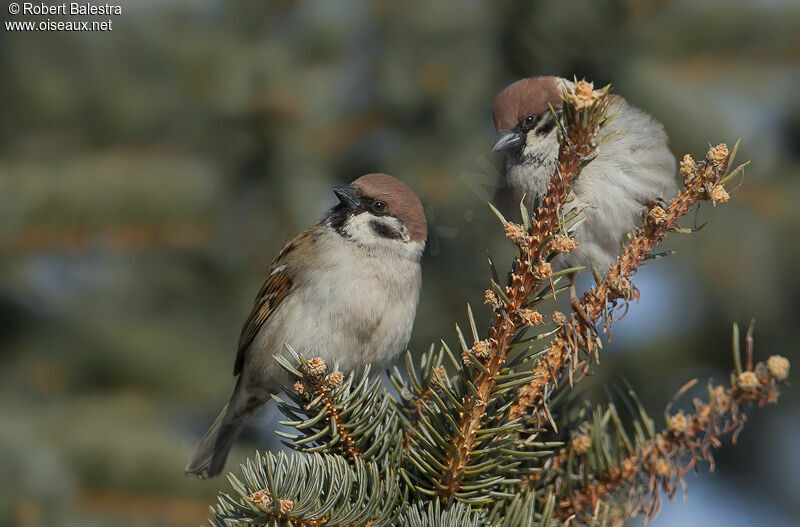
209 457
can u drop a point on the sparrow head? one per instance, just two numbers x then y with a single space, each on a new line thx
378 211
522 116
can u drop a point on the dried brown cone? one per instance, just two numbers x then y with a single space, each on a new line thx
778 367
261 497
530 317
316 367
563 244
517 234
491 299
264 499
334 380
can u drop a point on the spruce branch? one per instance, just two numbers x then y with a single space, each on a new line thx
315 384
417 393
583 113
352 417
308 491
433 514
703 181
633 482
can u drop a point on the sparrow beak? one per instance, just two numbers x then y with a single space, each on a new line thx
507 141
347 196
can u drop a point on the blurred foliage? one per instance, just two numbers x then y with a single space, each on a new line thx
148 175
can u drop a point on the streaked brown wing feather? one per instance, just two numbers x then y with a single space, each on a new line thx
277 286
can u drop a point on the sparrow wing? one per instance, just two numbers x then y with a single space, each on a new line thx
278 285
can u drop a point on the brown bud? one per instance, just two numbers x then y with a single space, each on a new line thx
316 367
563 244
491 299
662 467
718 194
657 216
581 444
335 379
678 424
261 497
778 367
748 381
718 155
542 270
517 234
584 94
688 168
530 317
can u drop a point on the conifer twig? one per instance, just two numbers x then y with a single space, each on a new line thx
318 387
702 181
659 462
584 111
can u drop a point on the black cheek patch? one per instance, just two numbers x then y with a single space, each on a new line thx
546 127
385 231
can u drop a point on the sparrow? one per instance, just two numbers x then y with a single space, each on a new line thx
345 290
633 166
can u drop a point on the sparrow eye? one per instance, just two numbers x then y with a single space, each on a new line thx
379 206
529 120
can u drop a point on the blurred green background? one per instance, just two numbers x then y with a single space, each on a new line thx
149 174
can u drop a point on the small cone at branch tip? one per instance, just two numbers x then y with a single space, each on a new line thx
778 367
261 497
530 317
581 444
559 318
542 270
302 388
662 467
286 506
718 195
657 216
748 381
335 379
481 349
563 244
717 393
688 167
316 367
491 299
583 94
678 424
718 155
516 233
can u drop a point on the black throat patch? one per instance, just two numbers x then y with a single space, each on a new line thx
336 218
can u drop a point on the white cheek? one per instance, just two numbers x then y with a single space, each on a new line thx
358 229
537 145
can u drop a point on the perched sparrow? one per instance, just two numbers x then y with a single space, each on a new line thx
632 167
345 290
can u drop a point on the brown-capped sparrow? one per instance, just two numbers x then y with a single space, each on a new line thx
633 166
345 290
